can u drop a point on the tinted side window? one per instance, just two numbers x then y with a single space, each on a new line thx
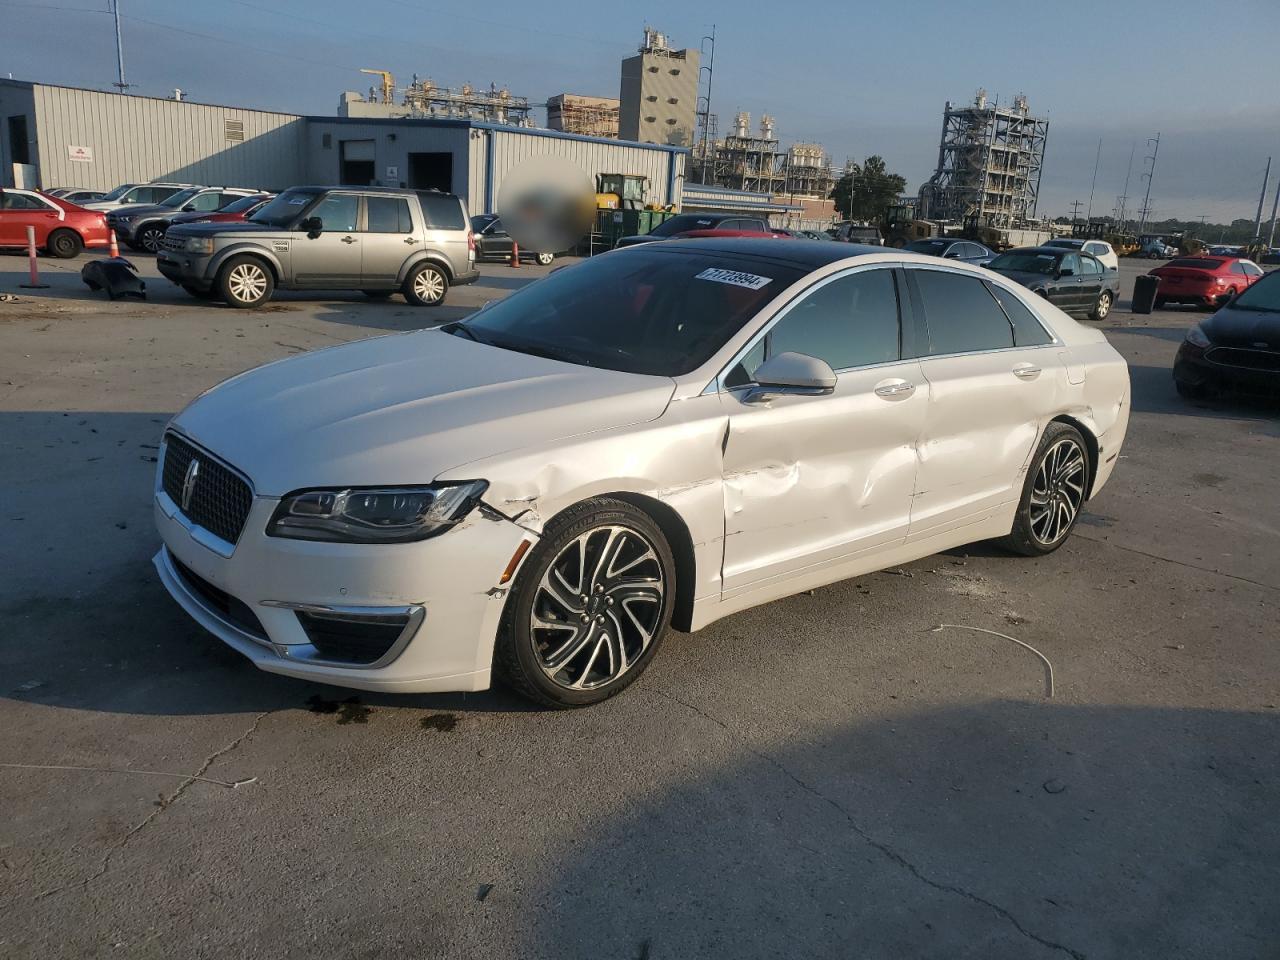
337 212
961 315
1090 266
849 322
155 194
1252 269
442 211
388 215
1071 262
206 202
1237 268
1027 331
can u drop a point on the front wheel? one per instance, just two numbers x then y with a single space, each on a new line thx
590 606
1054 493
546 259
245 282
65 244
1102 307
149 237
426 286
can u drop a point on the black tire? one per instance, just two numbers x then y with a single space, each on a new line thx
1103 307
377 294
426 285
519 649
1160 303
209 294
545 259
1192 391
64 244
1030 536
245 282
148 236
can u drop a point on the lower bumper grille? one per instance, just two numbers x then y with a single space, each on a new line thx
343 638
224 604
1265 360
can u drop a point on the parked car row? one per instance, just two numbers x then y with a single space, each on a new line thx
142 225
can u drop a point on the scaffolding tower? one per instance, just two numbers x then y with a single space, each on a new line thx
424 99
989 163
758 163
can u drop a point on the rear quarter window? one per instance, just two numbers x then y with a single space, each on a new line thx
961 314
442 211
1027 330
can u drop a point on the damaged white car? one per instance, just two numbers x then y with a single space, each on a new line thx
658 436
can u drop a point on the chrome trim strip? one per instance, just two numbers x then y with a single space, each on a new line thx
197 533
177 586
307 653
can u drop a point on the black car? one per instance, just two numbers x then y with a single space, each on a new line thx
684 222
951 248
1236 348
494 243
1075 282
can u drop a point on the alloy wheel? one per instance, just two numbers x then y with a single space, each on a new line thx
1104 306
597 608
247 282
150 239
1058 491
429 286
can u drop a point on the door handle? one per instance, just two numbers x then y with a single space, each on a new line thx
410 240
895 389
348 240
1026 371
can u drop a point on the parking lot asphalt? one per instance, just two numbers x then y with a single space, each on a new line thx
827 776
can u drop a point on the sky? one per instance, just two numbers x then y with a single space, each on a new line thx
860 78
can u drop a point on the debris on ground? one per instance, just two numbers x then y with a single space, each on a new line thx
1048 667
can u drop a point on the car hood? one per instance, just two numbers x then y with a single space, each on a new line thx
1025 277
1243 328
136 210
222 227
638 238
403 409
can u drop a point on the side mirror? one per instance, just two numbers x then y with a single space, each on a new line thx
950 255
791 374
312 226
188 207
1066 272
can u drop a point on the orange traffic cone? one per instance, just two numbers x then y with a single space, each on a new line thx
515 254
115 249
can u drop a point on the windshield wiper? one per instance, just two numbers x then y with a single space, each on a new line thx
457 327
542 350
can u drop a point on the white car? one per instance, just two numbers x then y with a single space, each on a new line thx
1099 248
128 194
661 435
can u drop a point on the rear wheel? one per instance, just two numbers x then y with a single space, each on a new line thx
245 282
426 286
149 236
546 259
1160 303
1102 307
590 606
1054 492
64 244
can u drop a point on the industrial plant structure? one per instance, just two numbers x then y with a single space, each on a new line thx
989 163
658 93
588 116
424 98
757 163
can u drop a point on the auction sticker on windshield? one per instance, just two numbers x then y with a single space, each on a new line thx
735 277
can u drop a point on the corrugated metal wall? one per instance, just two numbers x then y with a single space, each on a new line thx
510 149
140 138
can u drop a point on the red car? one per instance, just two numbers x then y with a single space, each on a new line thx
235 211
767 234
1205 281
63 229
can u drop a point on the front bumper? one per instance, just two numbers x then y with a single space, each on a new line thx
446 587
1228 368
185 269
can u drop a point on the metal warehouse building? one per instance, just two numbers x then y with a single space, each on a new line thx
64 136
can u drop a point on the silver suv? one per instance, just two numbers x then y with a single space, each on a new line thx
375 239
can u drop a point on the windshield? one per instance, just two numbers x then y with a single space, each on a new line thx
1196 263
179 198
119 191
927 246
240 205
643 310
1015 262
284 209
1066 244
683 222
1263 296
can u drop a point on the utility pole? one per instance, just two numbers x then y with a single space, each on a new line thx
710 68
1098 157
1124 197
1275 205
1150 175
1262 198
1075 210
120 83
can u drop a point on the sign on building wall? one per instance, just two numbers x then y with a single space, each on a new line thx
80 154
393 173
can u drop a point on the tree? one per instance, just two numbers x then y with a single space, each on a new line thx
865 191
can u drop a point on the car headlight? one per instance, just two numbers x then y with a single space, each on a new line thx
1197 337
199 245
375 515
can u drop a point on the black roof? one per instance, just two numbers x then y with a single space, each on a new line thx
809 254
1048 251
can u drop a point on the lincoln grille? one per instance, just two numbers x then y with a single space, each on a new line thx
220 499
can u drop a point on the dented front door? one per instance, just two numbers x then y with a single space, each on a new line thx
810 480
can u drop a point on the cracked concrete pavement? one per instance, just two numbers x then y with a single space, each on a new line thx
826 776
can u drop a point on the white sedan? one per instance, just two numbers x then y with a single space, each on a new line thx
659 436
1098 248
